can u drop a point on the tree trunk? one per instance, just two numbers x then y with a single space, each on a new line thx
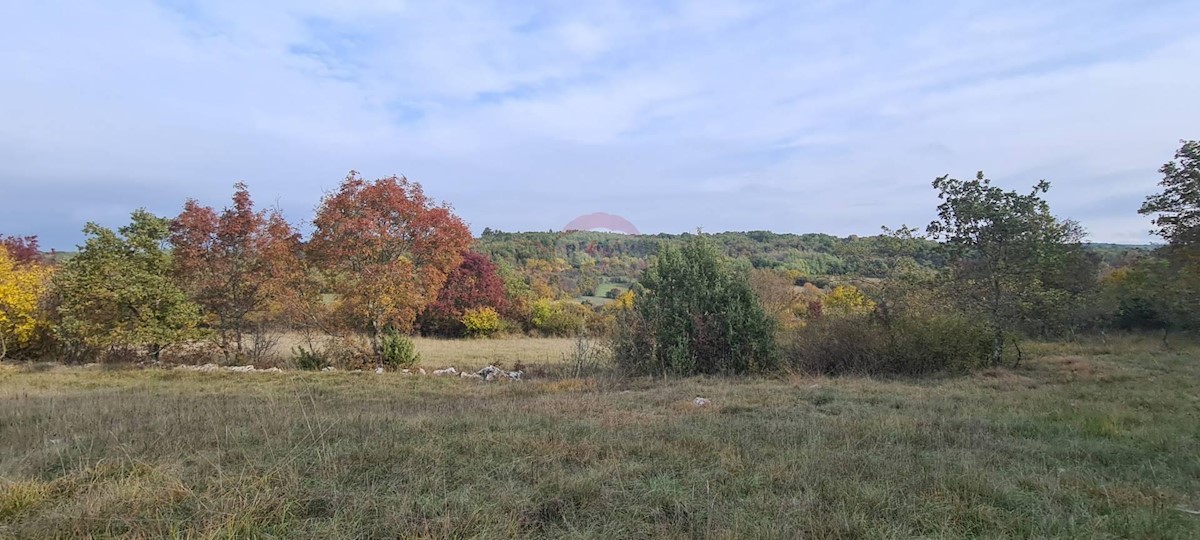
998 346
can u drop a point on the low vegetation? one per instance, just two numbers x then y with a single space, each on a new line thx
1082 441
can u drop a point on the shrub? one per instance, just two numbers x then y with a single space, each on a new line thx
398 350
562 318
908 345
697 315
309 359
481 322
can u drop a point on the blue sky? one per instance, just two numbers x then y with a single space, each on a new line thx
818 116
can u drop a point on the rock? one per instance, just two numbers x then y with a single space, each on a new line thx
421 371
328 369
241 369
701 402
406 371
379 370
516 375
271 370
446 371
469 375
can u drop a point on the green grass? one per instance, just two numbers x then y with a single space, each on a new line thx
1083 442
599 298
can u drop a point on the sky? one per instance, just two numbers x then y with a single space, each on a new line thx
816 116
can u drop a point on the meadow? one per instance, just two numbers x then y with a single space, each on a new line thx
1083 441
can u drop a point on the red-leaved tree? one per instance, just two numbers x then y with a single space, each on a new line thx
474 284
22 249
386 250
241 265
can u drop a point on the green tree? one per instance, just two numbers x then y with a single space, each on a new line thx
998 245
117 292
1177 207
695 315
1176 212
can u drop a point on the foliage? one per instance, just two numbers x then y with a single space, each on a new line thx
998 244
308 359
696 315
847 301
907 344
22 288
22 249
1177 207
481 322
398 351
1175 268
473 285
386 250
777 295
117 292
559 317
240 266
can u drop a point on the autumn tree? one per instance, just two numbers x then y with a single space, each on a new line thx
21 249
23 285
117 292
386 250
777 294
474 284
239 265
998 244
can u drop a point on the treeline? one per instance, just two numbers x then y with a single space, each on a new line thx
384 262
1009 269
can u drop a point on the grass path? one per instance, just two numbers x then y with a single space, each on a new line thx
1084 442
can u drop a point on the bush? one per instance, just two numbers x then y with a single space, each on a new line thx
563 319
398 350
909 345
309 359
697 315
481 322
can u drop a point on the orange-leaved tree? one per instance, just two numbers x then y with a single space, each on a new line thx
386 250
241 265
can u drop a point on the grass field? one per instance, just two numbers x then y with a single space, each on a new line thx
1083 442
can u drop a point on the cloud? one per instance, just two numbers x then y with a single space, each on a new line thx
821 116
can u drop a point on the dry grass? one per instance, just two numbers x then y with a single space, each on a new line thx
474 353
1078 444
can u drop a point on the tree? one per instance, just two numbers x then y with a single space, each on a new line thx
1177 216
22 288
997 244
117 292
696 315
474 284
847 301
1177 207
22 249
386 250
240 266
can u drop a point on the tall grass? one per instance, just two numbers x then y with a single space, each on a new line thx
1079 443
